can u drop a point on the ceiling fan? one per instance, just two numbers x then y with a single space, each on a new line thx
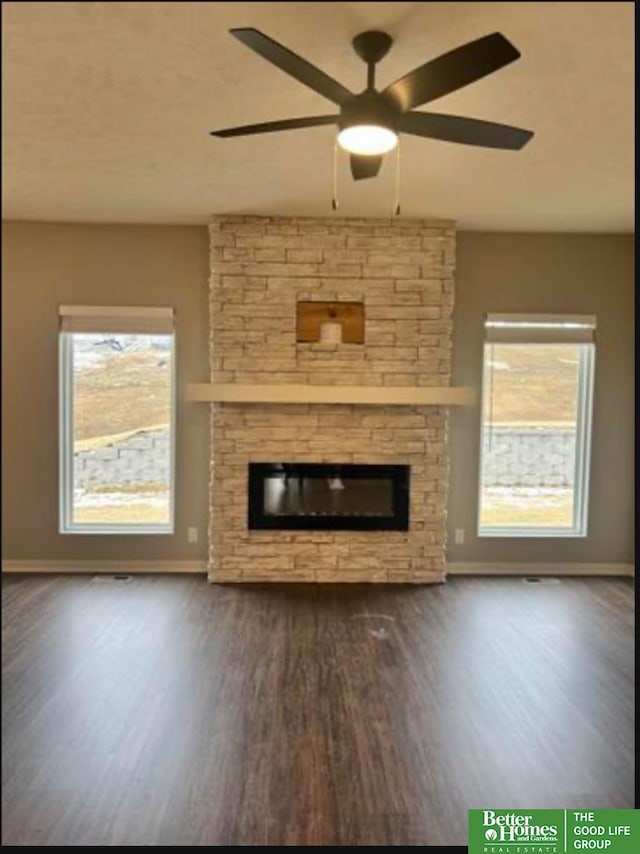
369 122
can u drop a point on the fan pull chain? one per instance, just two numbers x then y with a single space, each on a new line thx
396 210
334 200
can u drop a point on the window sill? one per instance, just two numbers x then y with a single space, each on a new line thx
523 533
118 530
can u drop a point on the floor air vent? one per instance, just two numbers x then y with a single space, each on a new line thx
536 579
104 579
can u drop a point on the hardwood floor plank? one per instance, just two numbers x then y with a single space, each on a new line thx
167 711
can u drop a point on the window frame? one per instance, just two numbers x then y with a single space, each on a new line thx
66 525
582 470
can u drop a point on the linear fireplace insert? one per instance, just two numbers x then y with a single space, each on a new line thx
328 496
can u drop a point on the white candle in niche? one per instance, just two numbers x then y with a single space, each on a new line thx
330 332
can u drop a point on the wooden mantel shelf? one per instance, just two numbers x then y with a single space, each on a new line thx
361 395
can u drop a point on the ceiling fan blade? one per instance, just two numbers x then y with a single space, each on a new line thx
292 64
451 71
365 165
270 127
464 130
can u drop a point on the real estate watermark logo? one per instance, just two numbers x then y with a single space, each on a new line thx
499 831
504 831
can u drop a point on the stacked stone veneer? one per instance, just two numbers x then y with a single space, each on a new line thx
403 271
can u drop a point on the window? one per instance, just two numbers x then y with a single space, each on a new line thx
536 425
117 415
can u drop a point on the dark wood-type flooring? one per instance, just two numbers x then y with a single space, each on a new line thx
167 711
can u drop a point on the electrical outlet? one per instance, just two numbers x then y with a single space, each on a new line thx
192 535
459 536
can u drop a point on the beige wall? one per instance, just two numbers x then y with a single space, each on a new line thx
583 274
45 265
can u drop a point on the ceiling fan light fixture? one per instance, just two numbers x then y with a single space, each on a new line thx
367 139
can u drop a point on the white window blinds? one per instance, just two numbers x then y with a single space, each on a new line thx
540 328
136 320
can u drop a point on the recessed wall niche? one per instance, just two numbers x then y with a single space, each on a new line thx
329 322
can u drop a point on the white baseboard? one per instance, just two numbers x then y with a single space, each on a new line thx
95 567
556 569
195 567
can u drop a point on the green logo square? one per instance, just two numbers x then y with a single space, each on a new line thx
553 831
516 831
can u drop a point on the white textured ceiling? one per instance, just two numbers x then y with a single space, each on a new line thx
107 108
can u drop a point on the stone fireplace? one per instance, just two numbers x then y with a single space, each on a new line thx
394 280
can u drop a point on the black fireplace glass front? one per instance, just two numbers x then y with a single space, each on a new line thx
333 496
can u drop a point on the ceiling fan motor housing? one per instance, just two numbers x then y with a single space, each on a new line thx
368 108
